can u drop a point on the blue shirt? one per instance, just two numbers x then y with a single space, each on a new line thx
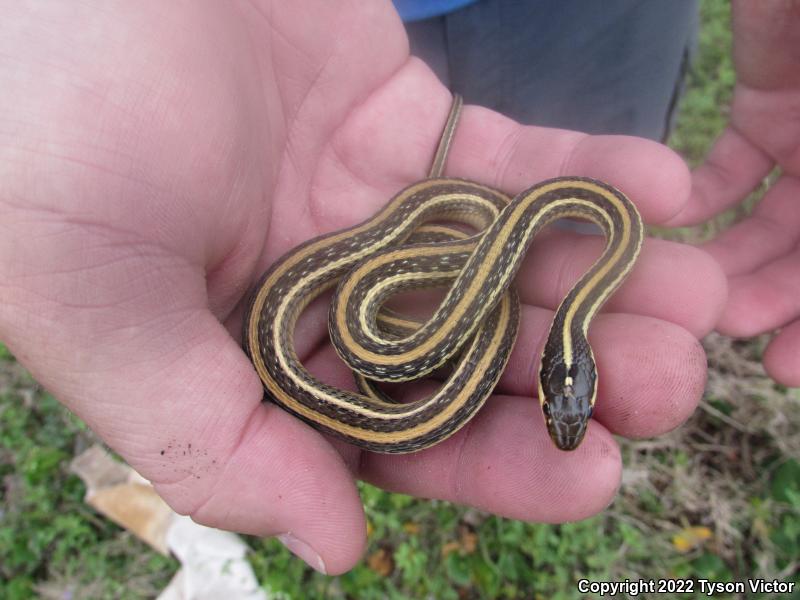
416 10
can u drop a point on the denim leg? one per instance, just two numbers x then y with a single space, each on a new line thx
599 66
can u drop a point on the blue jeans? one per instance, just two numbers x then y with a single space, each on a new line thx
598 66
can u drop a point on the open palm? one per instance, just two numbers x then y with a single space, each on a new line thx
761 254
155 158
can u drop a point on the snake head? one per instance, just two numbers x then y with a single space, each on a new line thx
567 397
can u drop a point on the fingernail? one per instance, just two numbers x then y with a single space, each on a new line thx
302 550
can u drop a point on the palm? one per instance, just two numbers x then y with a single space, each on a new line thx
761 254
233 136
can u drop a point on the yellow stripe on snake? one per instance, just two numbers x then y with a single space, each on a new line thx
474 326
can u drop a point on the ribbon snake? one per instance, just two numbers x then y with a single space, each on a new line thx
411 243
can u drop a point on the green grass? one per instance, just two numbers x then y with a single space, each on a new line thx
51 542
703 108
732 471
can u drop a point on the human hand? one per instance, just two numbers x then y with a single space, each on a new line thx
761 254
156 158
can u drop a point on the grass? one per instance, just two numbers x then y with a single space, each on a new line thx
717 499
709 86
51 542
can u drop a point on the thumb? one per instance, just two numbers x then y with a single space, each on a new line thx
232 462
160 379
733 168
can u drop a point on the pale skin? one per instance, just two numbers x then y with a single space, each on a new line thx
761 254
156 157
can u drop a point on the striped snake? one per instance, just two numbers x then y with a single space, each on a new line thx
473 329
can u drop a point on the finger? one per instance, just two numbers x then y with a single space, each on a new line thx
782 356
232 462
504 462
763 300
283 479
651 373
652 376
673 282
493 149
733 168
771 231
404 118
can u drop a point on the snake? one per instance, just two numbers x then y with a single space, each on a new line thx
467 239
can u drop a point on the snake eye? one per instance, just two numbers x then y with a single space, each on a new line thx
546 409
